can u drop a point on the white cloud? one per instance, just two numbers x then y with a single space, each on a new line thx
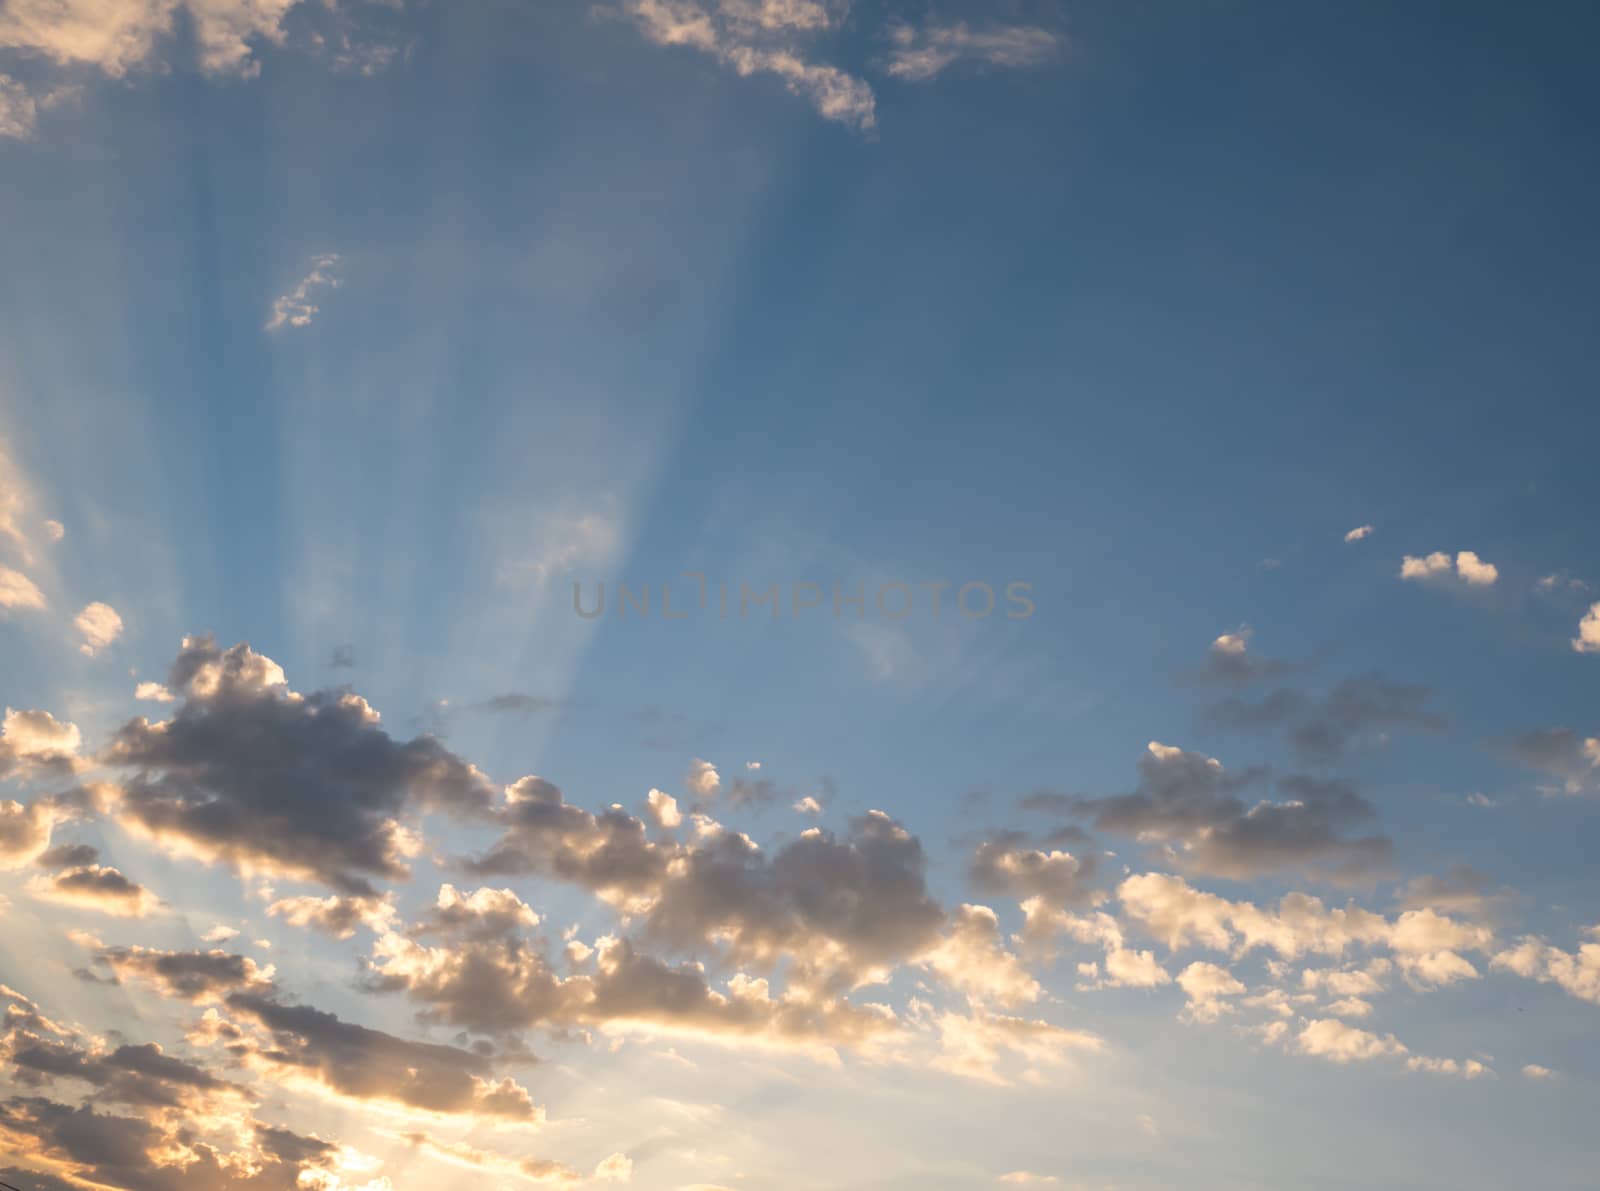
295 308
756 37
1466 566
116 36
1359 532
1588 638
153 692
1337 1042
921 54
19 591
54 530
702 781
1534 1071
100 626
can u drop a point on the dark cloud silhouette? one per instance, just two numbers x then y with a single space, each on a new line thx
252 773
1319 730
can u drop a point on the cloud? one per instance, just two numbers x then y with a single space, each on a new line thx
1192 806
116 38
1319 730
1358 533
335 915
20 111
295 308
1588 638
36 743
1426 946
1230 662
19 591
1466 566
1534 958
917 55
99 625
702 780
95 887
1328 1038
759 38
1559 752
1209 988
1534 1071
1008 863
259 776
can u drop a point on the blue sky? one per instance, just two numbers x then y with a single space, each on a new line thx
1255 341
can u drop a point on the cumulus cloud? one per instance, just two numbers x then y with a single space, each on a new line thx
99 625
95 887
1588 638
296 308
1577 973
257 775
761 37
1010 863
919 54
36 743
1466 566
1192 806
1358 533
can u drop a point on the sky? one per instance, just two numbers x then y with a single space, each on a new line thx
725 595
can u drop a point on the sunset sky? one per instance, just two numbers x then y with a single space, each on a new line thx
1126 478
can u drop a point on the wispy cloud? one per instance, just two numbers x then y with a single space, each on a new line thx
296 308
760 37
920 54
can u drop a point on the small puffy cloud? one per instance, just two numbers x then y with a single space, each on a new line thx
1460 1068
1535 1071
99 625
663 809
808 806
18 591
920 54
1588 638
1358 533
153 692
296 308
702 780
1208 987
54 530
1330 1039
95 887
1466 566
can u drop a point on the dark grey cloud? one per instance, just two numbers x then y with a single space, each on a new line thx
1319 730
1017 864
1559 752
252 773
368 1064
68 856
1197 811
